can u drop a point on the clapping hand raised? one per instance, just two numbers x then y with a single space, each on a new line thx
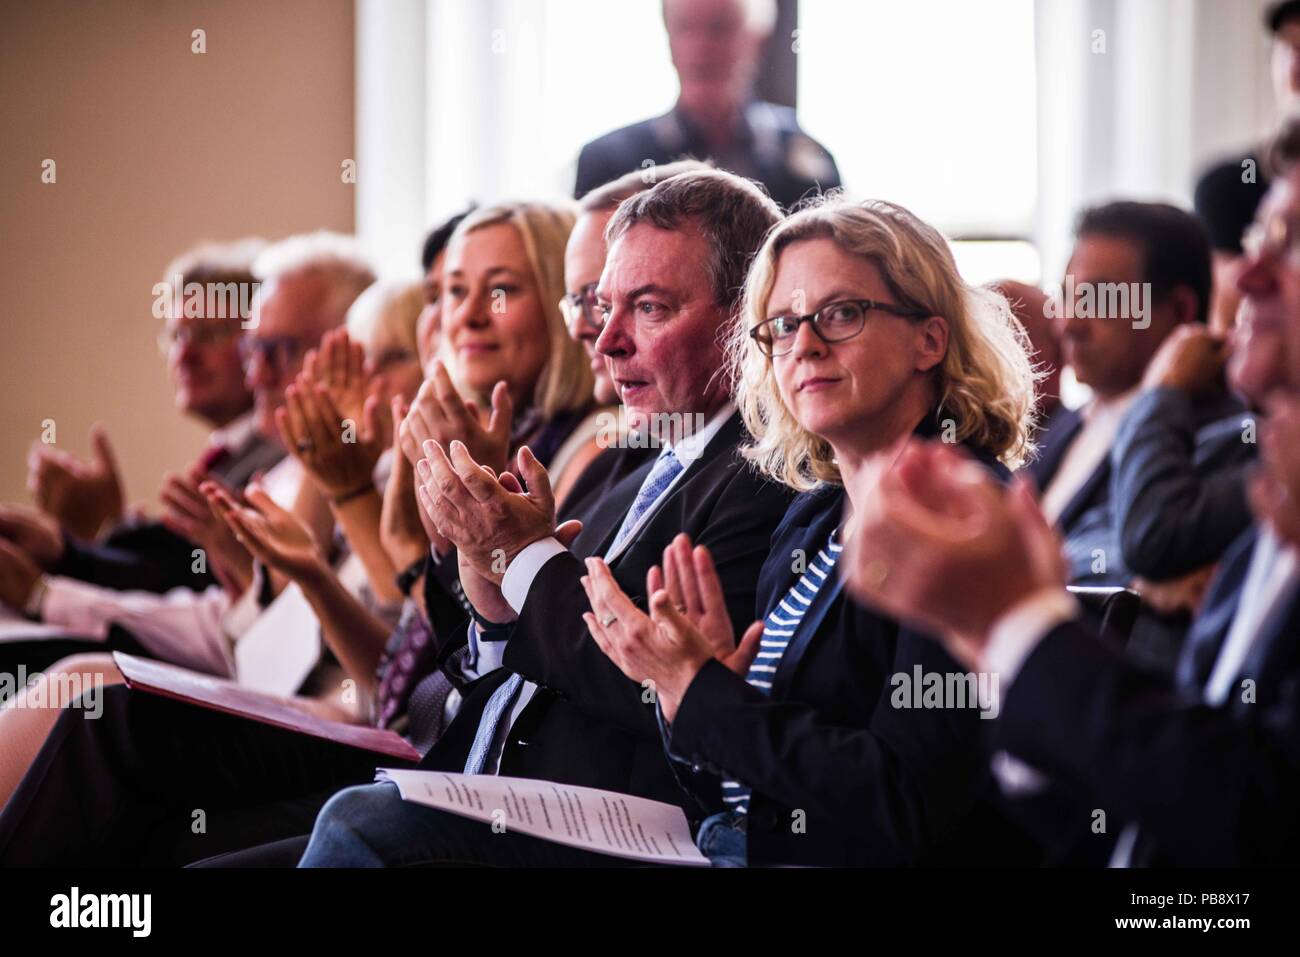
186 512
1275 487
440 415
83 496
275 537
338 452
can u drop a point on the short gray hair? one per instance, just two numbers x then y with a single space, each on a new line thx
607 197
733 214
335 257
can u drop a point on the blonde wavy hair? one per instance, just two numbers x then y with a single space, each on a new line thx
985 383
566 382
385 314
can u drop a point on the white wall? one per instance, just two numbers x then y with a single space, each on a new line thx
157 148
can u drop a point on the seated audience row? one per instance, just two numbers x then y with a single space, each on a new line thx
674 498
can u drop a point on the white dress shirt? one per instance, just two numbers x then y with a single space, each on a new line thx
1090 448
195 629
234 434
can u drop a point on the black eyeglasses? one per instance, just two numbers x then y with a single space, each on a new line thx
280 353
582 306
833 322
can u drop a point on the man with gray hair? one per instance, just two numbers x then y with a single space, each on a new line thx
307 284
557 709
84 532
716 46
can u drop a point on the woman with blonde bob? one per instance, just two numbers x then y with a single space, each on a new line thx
832 734
505 344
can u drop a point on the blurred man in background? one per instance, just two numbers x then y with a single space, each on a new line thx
1158 253
716 46
85 500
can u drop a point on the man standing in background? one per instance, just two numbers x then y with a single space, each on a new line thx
716 46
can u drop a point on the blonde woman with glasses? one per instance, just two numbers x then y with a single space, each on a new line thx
858 335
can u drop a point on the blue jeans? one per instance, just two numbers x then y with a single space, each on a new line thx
724 840
371 826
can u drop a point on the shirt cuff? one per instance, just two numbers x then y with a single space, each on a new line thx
519 576
245 609
76 606
1018 632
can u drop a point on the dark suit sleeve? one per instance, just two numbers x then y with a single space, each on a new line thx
551 644
144 558
1170 520
445 603
1210 788
892 787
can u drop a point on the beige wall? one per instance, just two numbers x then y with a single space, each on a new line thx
156 147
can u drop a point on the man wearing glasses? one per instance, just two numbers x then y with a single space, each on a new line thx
307 284
85 533
1201 769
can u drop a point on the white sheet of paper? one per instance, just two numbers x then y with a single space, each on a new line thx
277 653
16 627
601 821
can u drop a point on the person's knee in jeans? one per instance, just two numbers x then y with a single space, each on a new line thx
343 833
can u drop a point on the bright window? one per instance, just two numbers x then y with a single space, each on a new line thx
930 103
606 66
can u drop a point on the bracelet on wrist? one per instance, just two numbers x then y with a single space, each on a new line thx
407 577
354 494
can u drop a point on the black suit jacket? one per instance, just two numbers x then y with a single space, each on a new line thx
1178 482
1160 487
588 724
1207 786
147 555
839 775
775 151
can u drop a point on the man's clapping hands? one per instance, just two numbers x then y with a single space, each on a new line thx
83 496
440 415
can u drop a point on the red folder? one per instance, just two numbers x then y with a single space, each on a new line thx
221 694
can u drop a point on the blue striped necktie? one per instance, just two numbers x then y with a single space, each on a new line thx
497 707
666 468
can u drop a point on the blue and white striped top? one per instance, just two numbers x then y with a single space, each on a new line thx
778 630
